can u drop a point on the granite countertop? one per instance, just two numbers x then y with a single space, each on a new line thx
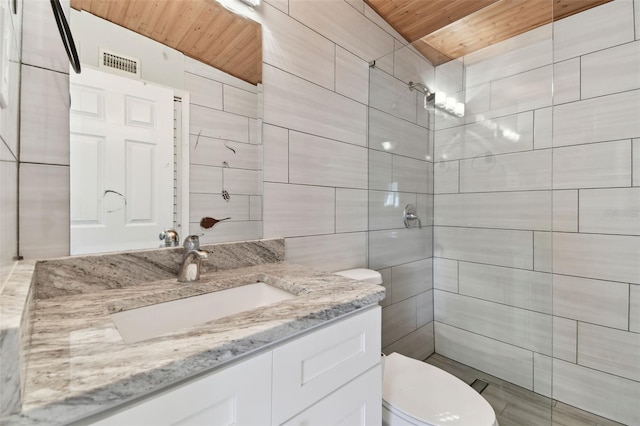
79 365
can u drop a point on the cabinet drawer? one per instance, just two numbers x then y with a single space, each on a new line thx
311 367
238 395
358 403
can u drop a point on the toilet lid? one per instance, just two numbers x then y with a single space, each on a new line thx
420 391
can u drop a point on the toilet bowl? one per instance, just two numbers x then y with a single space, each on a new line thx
417 393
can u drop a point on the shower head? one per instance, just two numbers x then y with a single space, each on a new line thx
428 94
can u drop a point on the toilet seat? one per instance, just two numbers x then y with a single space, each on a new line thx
421 394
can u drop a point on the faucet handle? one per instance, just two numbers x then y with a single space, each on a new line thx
192 242
169 237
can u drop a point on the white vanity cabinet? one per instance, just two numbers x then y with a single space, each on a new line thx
327 376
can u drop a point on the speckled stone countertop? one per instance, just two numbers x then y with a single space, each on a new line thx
79 365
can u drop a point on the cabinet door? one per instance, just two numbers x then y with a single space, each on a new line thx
313 366
358 403
237 395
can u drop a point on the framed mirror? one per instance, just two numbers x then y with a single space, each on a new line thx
165 124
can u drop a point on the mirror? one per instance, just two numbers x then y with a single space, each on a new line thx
161 139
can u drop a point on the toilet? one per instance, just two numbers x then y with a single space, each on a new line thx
417 393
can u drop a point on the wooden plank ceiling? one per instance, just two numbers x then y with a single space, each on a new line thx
201 29
448 29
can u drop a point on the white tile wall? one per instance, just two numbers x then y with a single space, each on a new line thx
239 181
298 210
512 210
611 70
635 147
542 374
515 287
397 246
542 251
445 176
203 91
565 211
469 141
566 81
386 209
509 172
565 339
634 308
398 319
445 274
502 360
213 205
205 179
314 59
40 209
492 246
334 252
388 94
44 110
213 152
40 27
599 302
8 217
595 29
610 117
522 92
352 76
519 327
397 136
542 128
411 279
351 210
424 307
317 161
610 211
592 390
605 257
228 231
276 154
239 101
411 175
417 344
218 124
381 171
294 103
612 351
410 66
345 26
598 165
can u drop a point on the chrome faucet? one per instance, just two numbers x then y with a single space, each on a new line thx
190 267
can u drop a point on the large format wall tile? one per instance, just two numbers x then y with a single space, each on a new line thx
418 344
502 360
566 81
515 287
297 49
595 29
38 46
634 308
509 172
351 210
411 279
386 209
492 246
445 177
604 394
594 301
213 205
345 26
205 179
218 124
611 70
565 211
240 101
317 161
594 165
397 136
8 217
522 92
445 274
610 211
612 351
228 231
294 103
519 327
44 200
411 175
276 153
298 210
636 160
565 339
352 76
392 96
410 66
398 319
481 139
381 171
203 91
424 307
610 117
333 252
511 210
44 116
397 246
208 151
605 257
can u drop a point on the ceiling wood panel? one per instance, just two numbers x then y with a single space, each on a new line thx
448 29
201 29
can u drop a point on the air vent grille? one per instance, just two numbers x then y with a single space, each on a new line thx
120 63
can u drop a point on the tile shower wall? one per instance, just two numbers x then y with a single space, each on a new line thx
9 146
532 182
401 173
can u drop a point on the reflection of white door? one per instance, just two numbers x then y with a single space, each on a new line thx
121 162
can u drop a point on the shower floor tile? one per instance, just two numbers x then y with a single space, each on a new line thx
516 406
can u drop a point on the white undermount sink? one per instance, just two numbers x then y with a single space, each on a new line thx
155 320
